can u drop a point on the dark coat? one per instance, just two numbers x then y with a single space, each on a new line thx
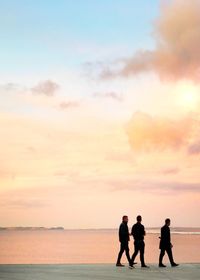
123 233
165 239
138 232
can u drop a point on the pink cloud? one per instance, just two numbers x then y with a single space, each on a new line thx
147 133
170 171
47 88
194 149
68 104
110 95
153 186
177 37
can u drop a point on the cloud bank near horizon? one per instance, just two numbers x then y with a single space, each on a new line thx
148 133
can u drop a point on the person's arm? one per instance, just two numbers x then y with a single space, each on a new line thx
122 233
170 239
165 235
162 234
144 232
133 231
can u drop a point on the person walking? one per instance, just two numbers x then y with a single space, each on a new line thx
124 239
165 244
138 232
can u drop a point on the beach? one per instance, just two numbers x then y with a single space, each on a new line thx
91 272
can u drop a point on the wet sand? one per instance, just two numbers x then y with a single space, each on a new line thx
91 272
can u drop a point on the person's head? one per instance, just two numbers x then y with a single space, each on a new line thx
125 219
167 222
139 219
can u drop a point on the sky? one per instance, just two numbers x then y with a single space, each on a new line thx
99 112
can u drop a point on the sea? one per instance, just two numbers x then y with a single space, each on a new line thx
61 246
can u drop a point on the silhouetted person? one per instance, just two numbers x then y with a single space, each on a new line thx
124 240
165 244
138 232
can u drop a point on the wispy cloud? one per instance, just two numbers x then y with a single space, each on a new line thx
194 149
96 69
65 105
109 95
31 149
13 89
47 88
154 186
6 174
170 171
22 203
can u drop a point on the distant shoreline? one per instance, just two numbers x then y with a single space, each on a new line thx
31 228
150 230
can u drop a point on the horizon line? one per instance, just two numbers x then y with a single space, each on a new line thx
92 228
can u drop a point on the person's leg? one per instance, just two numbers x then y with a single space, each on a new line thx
169 253
122 248
127 254
135 252
162 253
142 246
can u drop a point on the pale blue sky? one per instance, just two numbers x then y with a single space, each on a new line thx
38 35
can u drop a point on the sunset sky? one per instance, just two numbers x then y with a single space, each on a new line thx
99 112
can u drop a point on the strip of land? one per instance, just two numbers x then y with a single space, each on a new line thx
97 271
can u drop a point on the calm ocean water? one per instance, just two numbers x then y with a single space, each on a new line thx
88 246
